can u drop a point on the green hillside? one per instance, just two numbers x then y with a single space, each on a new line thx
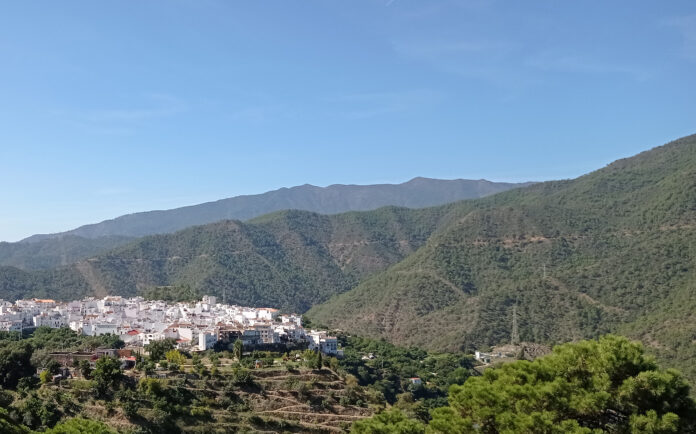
55 252
290 259
611 250
57 283
40 252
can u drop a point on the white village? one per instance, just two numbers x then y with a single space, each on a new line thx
195 326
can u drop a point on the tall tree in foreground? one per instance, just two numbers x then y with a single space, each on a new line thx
158 349
392 421
238 349
107 374
608 385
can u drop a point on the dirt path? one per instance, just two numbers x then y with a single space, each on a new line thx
434 276
323 415
581 295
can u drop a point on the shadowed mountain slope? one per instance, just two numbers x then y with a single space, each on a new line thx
611 250
52 250
55 252
290 259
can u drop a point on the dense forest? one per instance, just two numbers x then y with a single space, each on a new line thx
55 252
604 386
290 259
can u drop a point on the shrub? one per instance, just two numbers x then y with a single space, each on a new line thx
201 412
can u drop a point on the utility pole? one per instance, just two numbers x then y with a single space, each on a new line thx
544 270
515 335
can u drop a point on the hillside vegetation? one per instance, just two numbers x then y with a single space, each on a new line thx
55 252
588 387
290 259
46 251
613 250
171 391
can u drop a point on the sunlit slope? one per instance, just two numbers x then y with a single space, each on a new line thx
578 257
290 259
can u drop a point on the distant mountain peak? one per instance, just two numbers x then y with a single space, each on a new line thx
418 192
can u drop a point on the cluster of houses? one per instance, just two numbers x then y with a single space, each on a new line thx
194 326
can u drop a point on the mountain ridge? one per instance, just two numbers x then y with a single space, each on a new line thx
418 192
289 259
610 251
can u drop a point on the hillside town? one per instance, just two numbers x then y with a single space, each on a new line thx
196 326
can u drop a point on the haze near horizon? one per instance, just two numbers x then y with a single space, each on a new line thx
108 110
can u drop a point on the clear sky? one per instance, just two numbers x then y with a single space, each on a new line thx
108 108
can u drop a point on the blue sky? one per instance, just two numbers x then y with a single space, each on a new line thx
114 107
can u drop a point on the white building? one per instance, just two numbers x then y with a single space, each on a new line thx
139 322
320 340
11 326
99 329
265 332
206 340
53 320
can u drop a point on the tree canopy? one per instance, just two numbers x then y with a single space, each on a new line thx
107 373
158 349
594 386
389 422
21 355
80 426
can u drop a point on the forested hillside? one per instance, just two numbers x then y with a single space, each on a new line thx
41 252
612 250
57 283
589 387
55 252
291 259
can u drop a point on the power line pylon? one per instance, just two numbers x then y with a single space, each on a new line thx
515 335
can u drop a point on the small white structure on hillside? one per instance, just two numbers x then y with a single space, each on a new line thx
207 340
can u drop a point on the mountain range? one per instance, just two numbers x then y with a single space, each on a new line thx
610 251
334 199
44 251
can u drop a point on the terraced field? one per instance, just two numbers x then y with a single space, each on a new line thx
278 399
